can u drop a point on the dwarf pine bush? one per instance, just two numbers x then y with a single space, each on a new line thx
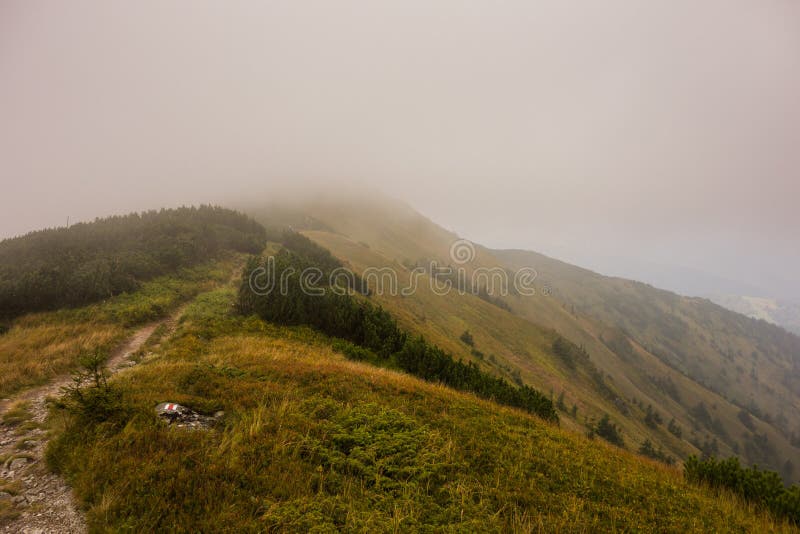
764 488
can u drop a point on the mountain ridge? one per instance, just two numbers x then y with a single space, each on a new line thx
707 371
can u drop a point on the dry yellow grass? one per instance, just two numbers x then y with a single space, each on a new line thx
41 346
312 440
33 352
727 363
709 354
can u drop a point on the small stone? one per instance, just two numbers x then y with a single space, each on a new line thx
183 417
171 410
18 463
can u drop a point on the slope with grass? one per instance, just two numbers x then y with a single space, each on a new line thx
40 349
89 262
40 346
313 442
509 346
785 313
124 271
683 373
735 379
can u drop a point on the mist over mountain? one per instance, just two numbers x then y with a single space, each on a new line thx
784 313
399 266
644 133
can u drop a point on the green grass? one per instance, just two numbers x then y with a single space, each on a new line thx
17 414
41 346
7 510
510 344
312 442
705 353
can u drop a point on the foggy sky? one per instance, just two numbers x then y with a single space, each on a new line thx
626 135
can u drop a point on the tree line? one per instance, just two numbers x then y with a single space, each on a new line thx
87 262
372 329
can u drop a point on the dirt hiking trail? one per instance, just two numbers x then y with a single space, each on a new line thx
43 501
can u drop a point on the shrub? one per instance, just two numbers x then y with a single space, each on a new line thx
652 418
90 398
385 448
483 294
609 431
667 385
647 449
674 428
466 337
764 488
566 351
701 414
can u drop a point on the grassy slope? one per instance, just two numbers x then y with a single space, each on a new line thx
40 346
313 442
705 350
389 235
511 341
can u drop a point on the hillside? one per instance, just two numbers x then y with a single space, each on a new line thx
329 412
743 374
314 442
780 312
89 262
719 382
108 276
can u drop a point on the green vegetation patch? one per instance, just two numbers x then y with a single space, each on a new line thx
17 414
43 345
88 262
764 488
313 442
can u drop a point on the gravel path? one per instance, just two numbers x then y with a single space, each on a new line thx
43 500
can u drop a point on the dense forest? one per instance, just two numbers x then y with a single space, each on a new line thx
371 329
88 262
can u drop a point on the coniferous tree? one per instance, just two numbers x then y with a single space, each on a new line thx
87 262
